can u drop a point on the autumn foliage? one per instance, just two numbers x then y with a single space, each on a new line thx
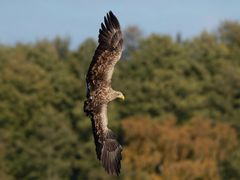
165 150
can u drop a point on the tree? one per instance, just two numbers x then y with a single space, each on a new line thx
156 150
132 37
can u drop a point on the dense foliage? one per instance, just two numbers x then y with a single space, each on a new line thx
180 119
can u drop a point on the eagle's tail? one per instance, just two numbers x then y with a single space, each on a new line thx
111 154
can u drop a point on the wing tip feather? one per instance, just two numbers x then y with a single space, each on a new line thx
111 155
111 22
110 34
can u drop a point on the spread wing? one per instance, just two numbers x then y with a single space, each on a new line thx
106 55
107 147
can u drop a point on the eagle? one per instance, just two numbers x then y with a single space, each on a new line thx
100 93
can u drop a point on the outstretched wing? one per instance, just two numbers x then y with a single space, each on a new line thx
107 147
106 55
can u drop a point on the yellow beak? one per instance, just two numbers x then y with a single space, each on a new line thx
122 97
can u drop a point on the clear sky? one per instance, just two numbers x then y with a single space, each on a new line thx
30 20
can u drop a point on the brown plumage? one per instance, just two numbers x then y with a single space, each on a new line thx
100 93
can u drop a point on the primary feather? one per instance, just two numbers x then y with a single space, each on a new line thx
100 92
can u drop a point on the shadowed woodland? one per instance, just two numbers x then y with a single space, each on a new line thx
180 119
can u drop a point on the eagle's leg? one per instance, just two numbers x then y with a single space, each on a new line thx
87 107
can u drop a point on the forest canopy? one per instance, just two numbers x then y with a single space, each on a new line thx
180 119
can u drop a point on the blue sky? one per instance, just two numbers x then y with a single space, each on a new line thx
78 19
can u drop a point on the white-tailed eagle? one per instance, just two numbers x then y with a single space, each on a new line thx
100 92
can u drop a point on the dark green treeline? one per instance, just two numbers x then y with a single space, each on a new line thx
45 134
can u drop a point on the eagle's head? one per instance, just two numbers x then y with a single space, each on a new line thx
120 95
117 94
